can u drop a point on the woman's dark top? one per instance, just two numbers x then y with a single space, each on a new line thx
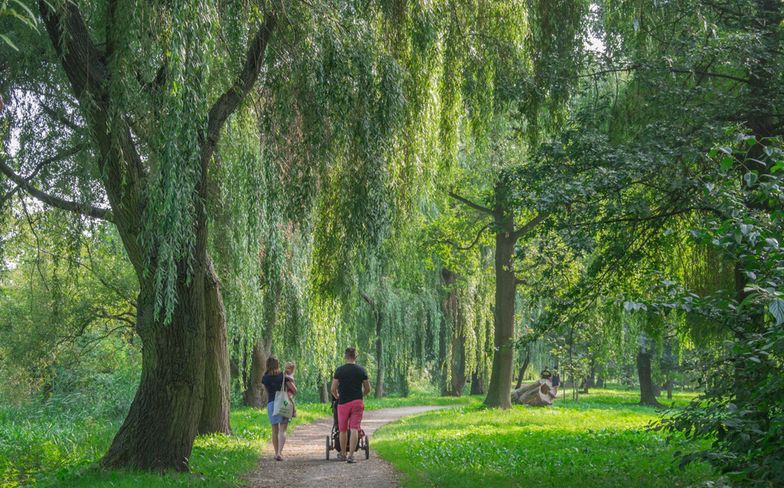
273 382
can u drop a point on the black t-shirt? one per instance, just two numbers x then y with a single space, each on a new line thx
273 382
350 378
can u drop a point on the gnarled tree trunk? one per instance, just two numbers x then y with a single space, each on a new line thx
162 422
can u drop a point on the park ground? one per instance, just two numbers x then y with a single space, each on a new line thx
602 440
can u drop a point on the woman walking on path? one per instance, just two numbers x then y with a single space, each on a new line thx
273 382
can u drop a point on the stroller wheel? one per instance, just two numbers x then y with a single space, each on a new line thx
328 448
367 447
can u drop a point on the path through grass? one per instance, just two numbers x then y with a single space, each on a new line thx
56 446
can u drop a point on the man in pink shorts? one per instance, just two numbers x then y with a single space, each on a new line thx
349 385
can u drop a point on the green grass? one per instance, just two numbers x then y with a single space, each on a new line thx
63 453
416 399
60 446
600 441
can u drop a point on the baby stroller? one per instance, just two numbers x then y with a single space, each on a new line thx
333 440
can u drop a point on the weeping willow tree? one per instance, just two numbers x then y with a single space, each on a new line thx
143 94
512 82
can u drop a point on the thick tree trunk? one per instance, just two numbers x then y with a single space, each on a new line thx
217 376
498 393
647 393
163 419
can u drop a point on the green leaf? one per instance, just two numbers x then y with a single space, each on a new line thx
8 41
726 163
776 309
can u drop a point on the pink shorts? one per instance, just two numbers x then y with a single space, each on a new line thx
350 415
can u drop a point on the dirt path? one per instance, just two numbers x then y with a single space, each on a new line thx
305 465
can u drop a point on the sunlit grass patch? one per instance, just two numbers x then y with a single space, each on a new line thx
603 442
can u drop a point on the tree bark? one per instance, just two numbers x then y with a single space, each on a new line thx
647 393
217 376
163 419
498 393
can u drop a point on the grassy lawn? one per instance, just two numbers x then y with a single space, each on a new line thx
600 441
52 447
